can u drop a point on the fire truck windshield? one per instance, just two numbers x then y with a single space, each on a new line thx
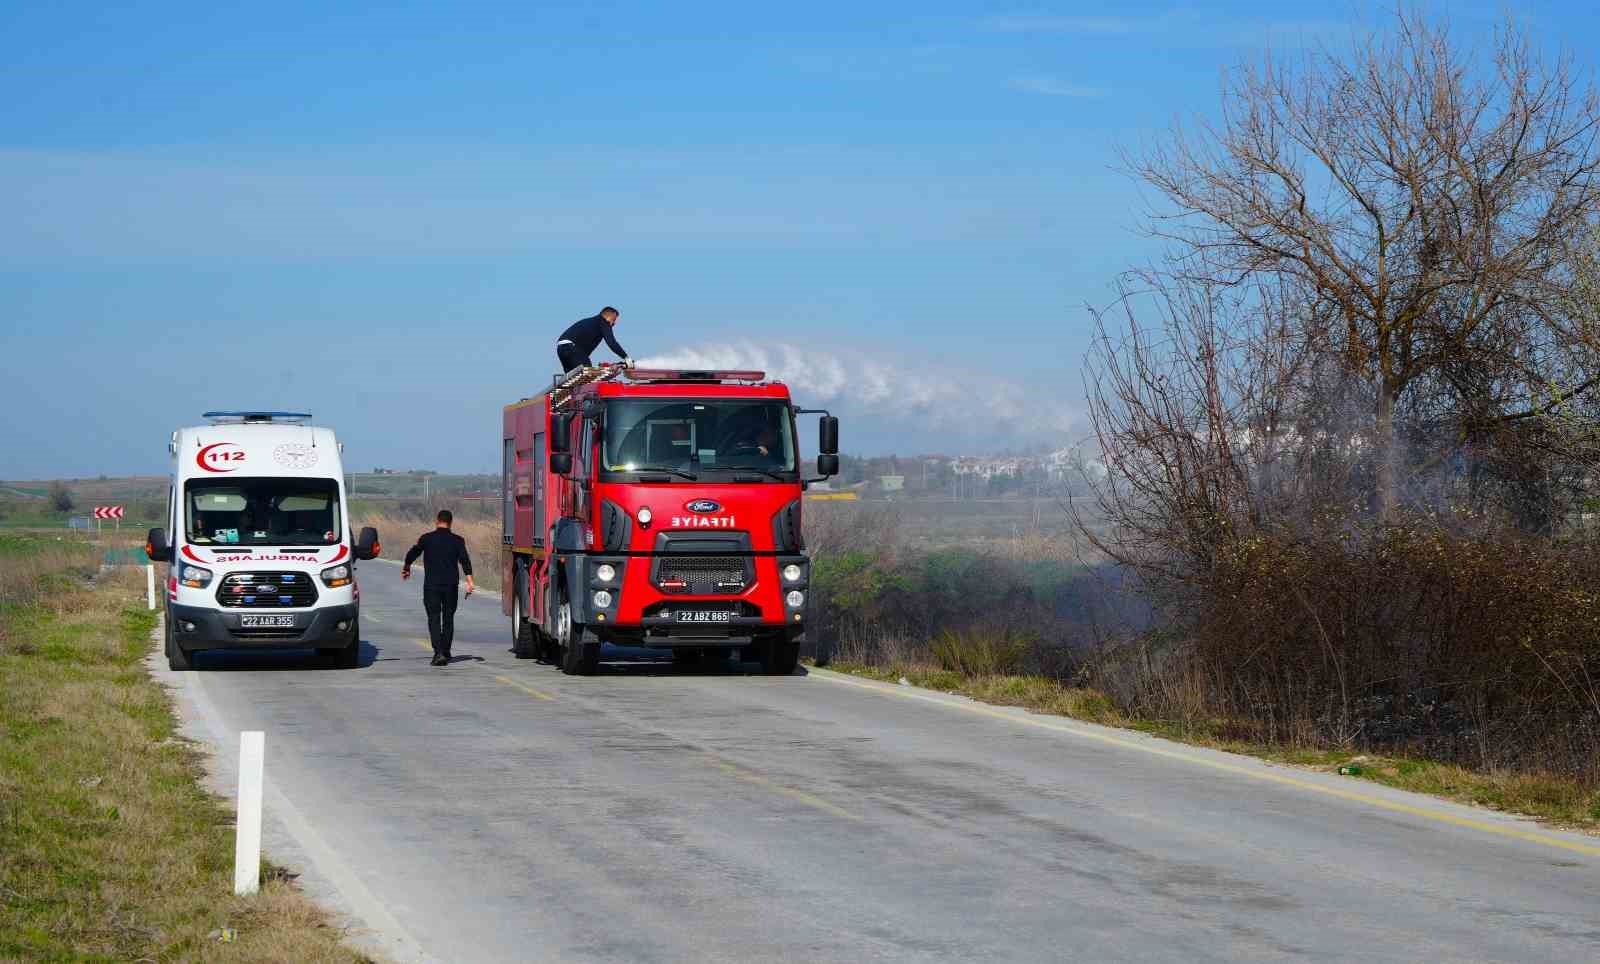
700 436
262 512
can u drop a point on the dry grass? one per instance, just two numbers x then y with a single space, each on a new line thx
399 533
109 847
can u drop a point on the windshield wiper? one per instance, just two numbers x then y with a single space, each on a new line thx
751 468
662 468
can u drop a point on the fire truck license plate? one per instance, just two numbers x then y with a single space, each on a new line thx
247 622
704 615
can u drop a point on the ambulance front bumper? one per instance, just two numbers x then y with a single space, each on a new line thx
326 627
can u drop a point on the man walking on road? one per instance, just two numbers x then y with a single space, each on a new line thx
580 340
441 551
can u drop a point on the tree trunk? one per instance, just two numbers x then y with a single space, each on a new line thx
1384 454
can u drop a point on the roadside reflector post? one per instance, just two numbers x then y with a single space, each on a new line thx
150 584
247 848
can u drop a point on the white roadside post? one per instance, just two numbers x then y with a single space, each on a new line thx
247 848
150 584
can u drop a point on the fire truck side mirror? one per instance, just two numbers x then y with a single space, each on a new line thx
828 436
827 465
560 434
560 463
155 546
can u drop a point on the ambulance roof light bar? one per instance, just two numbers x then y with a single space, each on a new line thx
238 418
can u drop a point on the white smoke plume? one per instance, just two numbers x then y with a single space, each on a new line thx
911 390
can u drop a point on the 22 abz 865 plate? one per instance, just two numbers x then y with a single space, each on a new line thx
703 615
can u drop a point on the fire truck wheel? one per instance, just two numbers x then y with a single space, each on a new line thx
523 644
177 659
580 656
779 657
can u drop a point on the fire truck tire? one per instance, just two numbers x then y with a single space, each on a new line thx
524 643
177 659
580 656
779 657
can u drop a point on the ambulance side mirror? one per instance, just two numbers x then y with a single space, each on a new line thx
560 463
828 438
155 546
367 545
560 434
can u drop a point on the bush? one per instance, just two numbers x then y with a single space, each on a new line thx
1484 652
980 652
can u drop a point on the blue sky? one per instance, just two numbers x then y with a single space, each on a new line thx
385 213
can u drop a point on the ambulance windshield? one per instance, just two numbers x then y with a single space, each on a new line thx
262 512
698 435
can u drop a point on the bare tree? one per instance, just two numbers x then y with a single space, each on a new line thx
1422 207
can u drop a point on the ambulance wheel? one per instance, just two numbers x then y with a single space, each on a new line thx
345 657
524 645
177 659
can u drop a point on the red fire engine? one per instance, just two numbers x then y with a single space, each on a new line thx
657 508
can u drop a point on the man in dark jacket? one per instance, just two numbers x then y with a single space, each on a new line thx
580 340
441 551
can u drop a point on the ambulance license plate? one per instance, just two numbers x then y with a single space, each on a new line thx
704 615
263 622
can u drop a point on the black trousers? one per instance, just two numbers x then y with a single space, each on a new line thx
441 607
570 359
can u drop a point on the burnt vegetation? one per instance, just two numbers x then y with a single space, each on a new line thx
1348 418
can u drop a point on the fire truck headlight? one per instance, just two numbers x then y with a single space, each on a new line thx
791 573
194 577
645 515
602 599
605 572
795 599
335 577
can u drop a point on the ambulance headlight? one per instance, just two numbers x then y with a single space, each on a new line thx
194 577
602 600
791 573
336 576
795 599
645 515
605 572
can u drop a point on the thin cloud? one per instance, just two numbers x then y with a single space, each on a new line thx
1185 25
1054 87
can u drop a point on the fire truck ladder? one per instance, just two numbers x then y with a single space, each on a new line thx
569 382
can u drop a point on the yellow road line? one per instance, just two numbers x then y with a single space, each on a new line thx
424 644
1394 806
526 689
809 799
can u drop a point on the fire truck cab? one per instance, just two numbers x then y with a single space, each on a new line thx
657 508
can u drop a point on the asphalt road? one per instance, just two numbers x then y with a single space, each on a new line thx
497 810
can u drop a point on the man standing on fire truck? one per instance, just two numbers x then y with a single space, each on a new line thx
441 551
580 340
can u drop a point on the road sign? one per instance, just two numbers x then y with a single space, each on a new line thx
108 512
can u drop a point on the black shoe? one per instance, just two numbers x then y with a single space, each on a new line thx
439 661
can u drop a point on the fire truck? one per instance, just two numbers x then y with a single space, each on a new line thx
661 509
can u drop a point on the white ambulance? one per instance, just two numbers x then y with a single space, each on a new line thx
260 550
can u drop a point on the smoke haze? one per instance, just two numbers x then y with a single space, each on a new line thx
910 391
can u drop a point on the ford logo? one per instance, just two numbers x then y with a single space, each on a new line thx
702 505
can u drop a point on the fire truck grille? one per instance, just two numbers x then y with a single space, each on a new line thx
266 590
702 575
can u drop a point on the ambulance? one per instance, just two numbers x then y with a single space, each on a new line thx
258 540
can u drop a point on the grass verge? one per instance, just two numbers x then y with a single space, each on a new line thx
1557 800
109 847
